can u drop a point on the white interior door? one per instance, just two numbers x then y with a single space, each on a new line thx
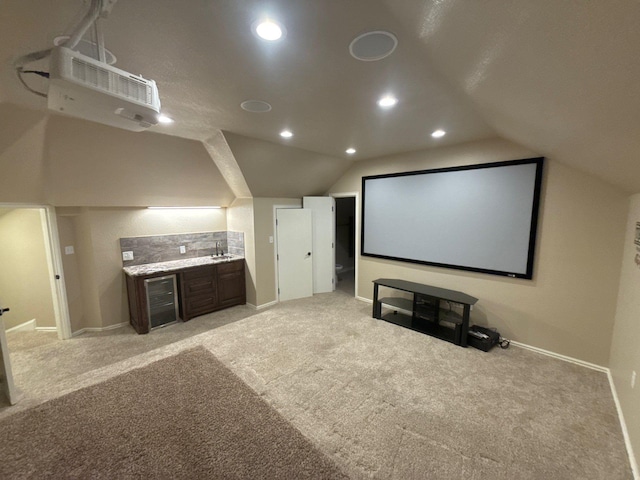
295 252
324 259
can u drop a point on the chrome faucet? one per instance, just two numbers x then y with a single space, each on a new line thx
217 247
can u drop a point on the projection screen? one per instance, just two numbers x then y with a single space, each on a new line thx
480 218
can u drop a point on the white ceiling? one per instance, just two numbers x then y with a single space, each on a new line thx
559 77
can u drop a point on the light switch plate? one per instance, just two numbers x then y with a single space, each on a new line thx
183 249
127 256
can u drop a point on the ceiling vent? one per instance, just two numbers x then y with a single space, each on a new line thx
372 46
255 106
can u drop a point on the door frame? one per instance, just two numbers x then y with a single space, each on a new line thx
54 265
355 195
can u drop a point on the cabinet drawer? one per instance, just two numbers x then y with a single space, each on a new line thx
199 286
229 267
200 304
199 272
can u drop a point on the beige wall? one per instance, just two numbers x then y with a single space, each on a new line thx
25 286
625 353
265 253
93 165
240 219
569 306
97 234
51 159
22 134
274 170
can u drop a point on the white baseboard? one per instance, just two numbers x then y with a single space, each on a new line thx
99 329
625 431
365 300
577 361
264 305
46 329
24 327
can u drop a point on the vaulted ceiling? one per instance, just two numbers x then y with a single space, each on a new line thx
560 78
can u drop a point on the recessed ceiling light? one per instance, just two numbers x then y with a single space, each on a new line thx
165 119
268 30
350 151
387 101
286 134
438 134
255 106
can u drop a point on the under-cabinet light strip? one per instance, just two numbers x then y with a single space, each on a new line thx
164 208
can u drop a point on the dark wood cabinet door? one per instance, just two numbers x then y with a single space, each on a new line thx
231 286
199 292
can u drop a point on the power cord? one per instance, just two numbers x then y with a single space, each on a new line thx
37 72
29 58
20 72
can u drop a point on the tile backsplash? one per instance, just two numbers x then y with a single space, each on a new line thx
163 248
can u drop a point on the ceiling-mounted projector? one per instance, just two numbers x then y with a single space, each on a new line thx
86 88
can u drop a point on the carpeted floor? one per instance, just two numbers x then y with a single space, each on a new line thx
386 402
185 416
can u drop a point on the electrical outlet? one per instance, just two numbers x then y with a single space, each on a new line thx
183 249
68 250
633 379
127 256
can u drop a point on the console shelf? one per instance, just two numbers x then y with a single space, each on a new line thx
428 312
398 302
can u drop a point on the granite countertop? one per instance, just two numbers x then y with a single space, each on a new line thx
175 265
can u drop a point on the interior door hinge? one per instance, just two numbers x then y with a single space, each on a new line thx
277 256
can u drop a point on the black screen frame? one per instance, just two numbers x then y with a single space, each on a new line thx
533 231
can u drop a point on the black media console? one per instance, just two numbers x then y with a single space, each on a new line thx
434 311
